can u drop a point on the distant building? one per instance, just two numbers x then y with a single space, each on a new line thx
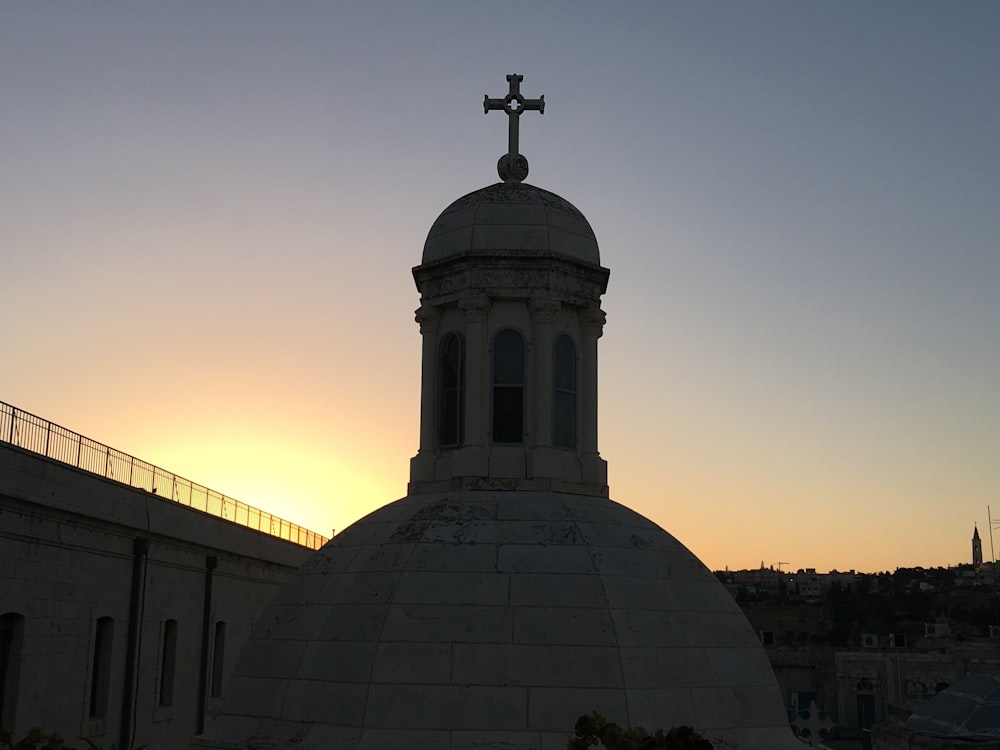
977 548
804 583
756 580
809 584
881 669
873 686
848 580
964 715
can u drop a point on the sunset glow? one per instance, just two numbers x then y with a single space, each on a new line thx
210 211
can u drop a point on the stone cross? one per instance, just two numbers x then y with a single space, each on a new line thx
513 104
512 166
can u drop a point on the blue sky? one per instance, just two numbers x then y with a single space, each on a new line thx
210 212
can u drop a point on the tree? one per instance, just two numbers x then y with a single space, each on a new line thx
593 728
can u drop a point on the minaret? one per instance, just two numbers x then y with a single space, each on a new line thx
510 314
977 547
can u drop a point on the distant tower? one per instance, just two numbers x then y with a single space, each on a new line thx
977 547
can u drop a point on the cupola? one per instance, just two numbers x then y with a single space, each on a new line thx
510 313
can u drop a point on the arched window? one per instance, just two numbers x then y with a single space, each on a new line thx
11 637
508 387
451 391
100 673
564 393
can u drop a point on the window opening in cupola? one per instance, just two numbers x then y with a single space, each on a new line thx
564 393
451 391
508 387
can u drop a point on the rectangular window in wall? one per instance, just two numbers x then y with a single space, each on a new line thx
100 674
168 663
218 655
11 635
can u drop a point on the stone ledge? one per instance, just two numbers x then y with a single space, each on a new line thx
496 484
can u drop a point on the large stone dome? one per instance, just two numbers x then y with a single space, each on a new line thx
493 620
512 217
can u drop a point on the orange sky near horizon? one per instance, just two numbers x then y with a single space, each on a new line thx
210 213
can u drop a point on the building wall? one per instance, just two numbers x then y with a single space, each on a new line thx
896 737
805 671
71 547
877 680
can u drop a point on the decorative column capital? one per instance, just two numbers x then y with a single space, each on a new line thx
544 310
427 318
475 308
592 320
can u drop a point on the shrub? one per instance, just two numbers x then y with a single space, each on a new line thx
592 729
39 739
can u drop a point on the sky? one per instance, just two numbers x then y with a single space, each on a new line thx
209 213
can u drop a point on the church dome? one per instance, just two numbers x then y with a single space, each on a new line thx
495 619
512 217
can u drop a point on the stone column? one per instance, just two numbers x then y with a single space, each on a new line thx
474 462
591 326
428 318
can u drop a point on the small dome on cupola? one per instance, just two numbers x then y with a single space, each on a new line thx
512 217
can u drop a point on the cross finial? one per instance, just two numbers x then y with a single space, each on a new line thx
513 167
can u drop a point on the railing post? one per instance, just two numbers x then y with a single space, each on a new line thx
13 418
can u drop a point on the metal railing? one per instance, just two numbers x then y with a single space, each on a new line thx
32 433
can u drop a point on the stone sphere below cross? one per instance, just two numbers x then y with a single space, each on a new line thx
512 168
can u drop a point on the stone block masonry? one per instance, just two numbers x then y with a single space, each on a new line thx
69 557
